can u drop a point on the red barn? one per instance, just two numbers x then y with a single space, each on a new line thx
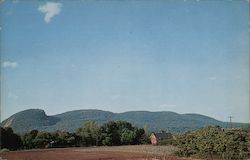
155 137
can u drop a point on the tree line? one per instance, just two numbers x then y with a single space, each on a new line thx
89 134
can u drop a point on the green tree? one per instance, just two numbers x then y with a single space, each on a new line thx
122 133
246 127
9 139
127 136
43 140
141 136
28 139
110 133
35 139
89 133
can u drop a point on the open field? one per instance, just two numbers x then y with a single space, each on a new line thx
142 152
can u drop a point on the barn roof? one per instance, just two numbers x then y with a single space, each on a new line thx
162 135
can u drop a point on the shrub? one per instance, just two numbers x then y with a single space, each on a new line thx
210 141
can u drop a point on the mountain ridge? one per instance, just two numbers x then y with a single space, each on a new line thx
30 119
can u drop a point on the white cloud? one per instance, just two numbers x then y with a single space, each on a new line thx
50 9
115 97
237 77
12 96
9 64
212 78
249 23
167 105
15 1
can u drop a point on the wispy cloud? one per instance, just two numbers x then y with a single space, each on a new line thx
50 9
167 105
249 23
12 96
115 97
212 78
9 64
237 77
15 1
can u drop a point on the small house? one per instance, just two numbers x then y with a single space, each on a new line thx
155 137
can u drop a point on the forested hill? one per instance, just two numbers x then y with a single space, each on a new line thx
69 121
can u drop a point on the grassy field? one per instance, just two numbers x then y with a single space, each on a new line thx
135 152
145 149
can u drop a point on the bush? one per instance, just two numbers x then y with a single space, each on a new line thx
210 141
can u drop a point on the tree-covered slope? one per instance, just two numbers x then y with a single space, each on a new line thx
169 121
30 119
69 121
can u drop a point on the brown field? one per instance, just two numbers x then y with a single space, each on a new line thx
142 152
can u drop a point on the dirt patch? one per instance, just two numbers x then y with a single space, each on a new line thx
82 154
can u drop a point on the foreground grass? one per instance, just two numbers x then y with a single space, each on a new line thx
145 149
159 152
130 152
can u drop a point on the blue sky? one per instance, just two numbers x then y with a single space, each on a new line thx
186 56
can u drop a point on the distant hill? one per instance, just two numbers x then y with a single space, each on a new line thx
27 120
